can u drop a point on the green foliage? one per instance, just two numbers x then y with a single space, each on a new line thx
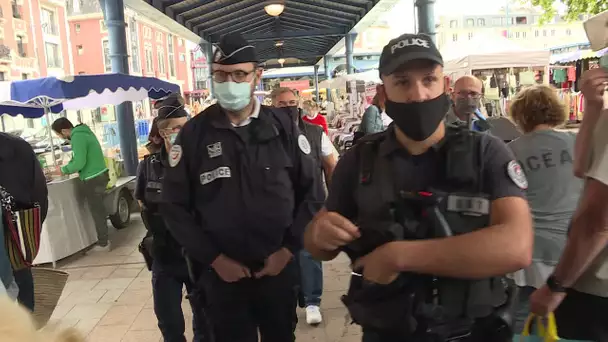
574 8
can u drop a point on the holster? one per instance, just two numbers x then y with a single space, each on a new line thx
145 248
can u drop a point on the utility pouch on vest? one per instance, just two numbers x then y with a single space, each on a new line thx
384 308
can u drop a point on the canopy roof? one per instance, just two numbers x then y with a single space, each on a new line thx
307 29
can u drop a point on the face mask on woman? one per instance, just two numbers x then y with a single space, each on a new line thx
233 96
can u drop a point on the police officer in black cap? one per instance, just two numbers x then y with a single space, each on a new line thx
162 252
240 190
432 215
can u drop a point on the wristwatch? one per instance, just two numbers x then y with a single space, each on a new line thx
554 285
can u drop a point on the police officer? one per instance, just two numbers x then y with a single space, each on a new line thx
417 166
169 270
240 190
324 153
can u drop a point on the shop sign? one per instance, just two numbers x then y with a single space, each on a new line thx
297 85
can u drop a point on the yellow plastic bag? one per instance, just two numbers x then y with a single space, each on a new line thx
546 329
112 172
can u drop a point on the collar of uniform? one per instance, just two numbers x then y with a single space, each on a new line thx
219 118
390 143
254 115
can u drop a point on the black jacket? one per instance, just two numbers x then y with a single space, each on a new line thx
243 200
148 189
21 174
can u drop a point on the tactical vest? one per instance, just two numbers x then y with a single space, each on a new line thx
464 206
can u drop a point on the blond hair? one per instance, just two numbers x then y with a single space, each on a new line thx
310 104
537 105
17 325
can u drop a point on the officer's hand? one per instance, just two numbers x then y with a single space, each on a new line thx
229 270
275 263
593 84
331 231
379 266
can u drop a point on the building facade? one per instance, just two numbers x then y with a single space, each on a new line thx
153 50
522 26
34 40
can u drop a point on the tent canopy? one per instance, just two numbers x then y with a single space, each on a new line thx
483 52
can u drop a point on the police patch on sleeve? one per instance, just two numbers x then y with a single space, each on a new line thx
304 144
175 155
517 175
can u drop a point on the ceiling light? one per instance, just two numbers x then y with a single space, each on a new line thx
281 61
274 8
279 43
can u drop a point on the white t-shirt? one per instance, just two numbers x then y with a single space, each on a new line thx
327 148
595 280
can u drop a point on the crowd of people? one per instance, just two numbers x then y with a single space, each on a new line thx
450 230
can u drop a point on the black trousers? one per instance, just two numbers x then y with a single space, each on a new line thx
583 316
237 310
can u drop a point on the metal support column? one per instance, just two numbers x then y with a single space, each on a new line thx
327 76
318 99
114 17
350 41
209 53
426 17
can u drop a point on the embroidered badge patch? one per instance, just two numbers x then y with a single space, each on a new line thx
220 172
304 144
175 155
214 150
517 175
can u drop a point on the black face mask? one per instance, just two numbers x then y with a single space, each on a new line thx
293 111
418 120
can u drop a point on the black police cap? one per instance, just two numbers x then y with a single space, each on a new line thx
234 49
170 107
405 48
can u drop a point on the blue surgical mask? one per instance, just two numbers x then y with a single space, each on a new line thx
233 96
172 138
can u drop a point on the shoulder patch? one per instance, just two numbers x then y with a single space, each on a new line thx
175 155
304 144
516 173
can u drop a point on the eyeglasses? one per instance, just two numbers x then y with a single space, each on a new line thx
237 76
165 132
471 94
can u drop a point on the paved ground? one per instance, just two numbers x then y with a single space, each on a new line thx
109 297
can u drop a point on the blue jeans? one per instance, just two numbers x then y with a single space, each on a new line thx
311 278
168 281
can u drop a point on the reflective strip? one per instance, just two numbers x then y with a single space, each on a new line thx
154 185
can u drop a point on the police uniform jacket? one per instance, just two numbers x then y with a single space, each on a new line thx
148 189
368 198
242 195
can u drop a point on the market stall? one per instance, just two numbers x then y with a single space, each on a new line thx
502 66
68 227
565 71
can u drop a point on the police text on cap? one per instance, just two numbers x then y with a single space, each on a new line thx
410 42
